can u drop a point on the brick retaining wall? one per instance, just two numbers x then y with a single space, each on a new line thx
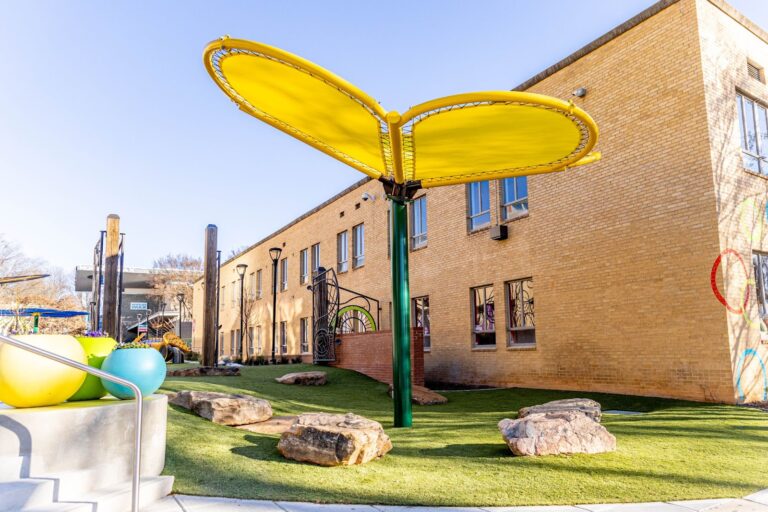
371 355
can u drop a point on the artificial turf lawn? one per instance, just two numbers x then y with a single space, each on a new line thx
454 454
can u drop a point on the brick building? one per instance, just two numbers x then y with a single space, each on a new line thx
641 265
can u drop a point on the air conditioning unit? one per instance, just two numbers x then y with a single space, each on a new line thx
499 232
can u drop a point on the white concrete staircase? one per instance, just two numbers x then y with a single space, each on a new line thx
45 471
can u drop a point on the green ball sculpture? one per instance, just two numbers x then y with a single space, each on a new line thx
97 348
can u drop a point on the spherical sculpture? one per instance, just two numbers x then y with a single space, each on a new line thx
96 349
30 380
145 367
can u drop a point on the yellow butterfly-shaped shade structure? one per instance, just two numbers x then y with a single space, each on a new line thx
456 139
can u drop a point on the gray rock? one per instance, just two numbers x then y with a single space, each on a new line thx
303 378
422 396
334 439
585 405
555 433
223 408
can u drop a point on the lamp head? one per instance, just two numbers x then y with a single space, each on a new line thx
180 297
275 253
241 269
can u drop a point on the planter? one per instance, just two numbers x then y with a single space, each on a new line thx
144 367
96 349
29 380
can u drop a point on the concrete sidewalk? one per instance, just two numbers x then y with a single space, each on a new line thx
757 502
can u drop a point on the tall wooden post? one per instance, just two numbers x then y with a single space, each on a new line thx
111 266
210 287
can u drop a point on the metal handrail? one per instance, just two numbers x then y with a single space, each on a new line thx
104 375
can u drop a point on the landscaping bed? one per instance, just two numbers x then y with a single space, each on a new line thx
454 454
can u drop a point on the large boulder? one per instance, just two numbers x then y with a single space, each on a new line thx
422 396
223 408
303 378
334 439
205 371
554 433
585 405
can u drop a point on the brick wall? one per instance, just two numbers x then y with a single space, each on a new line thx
620 251
371 355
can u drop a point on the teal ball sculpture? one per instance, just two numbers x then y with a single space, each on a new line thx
144 367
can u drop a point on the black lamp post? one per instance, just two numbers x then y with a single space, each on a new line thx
274 253
241 272
180 298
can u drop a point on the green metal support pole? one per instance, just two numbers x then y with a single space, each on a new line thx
401 314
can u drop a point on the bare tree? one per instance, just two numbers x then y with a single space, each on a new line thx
176 273
54 292
249 306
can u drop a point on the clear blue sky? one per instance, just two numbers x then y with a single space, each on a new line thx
106 107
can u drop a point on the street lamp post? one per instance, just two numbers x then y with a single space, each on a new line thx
274 253
241 272
180 298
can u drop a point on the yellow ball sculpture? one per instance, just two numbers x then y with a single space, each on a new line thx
29 380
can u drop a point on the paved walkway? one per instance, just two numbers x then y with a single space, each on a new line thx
757 502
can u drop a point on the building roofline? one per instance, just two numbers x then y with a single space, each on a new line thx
631 23
295 221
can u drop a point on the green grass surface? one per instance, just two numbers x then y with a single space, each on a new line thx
454 454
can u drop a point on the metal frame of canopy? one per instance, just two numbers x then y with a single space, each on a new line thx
447 141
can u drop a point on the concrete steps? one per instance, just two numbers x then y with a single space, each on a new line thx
46 466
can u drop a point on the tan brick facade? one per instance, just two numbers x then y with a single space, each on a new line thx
620 252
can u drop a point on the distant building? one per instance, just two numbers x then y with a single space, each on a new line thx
648 269
139 300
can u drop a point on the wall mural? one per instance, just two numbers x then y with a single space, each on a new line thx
752 218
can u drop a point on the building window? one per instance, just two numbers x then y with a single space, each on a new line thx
419 222
250 341
483 323
223 296
283 274
342 253
514 197
304 334
258 339
479 205
221 343
283 337
258 284
421 319
520 319
303 266
233 293
756 72
238 342
231 342
358 246
753 130
315 258
252 285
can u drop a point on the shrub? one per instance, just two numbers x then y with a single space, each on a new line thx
192 356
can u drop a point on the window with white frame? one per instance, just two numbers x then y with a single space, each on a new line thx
250 340
283 337
258 284
252 285
419 222
221 343
304 334
258 339
231 342
483 317
238 343
753 131
315 258
304 266
284 274
342 252
514 197
358 246
421 319
478 205
233 293
521 324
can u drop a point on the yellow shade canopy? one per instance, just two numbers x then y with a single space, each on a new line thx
457 139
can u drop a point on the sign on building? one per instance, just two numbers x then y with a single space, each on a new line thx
138 306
